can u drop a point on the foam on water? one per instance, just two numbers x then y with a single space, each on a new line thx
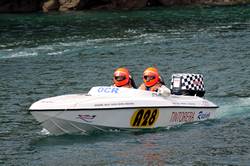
62 47
44 132
234 108
19 54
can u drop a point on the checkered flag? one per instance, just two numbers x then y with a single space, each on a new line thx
186 83
193 82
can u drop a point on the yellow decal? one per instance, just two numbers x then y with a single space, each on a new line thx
144 117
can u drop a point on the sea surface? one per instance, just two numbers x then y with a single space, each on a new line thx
44 55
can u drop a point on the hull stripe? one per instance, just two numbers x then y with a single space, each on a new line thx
121 108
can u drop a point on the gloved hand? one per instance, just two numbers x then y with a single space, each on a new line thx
164 91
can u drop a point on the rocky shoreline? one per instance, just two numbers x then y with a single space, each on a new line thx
23 6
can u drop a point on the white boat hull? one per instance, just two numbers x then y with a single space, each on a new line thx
88 113
86 121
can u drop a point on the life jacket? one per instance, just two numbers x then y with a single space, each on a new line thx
152 88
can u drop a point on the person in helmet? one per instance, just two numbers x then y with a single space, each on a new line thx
152 81
122 78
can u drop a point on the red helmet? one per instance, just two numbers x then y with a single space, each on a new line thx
151 76
121 77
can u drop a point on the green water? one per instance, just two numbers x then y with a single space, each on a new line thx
43 55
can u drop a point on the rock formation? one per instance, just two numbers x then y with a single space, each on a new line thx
14 6
128 4
65 5
50 5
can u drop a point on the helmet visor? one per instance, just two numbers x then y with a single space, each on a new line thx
148 78
120 78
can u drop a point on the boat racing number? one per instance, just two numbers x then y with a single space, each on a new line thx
144 117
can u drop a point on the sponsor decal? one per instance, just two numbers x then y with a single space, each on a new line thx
182 117
113 104
156 94
87 118
203 115
197 82
182 103
177 82
205 103
144 117
107 90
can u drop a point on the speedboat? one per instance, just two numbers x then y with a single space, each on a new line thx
107 108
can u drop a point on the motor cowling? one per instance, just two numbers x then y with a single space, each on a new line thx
187 84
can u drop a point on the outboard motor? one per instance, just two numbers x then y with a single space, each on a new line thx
187 84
